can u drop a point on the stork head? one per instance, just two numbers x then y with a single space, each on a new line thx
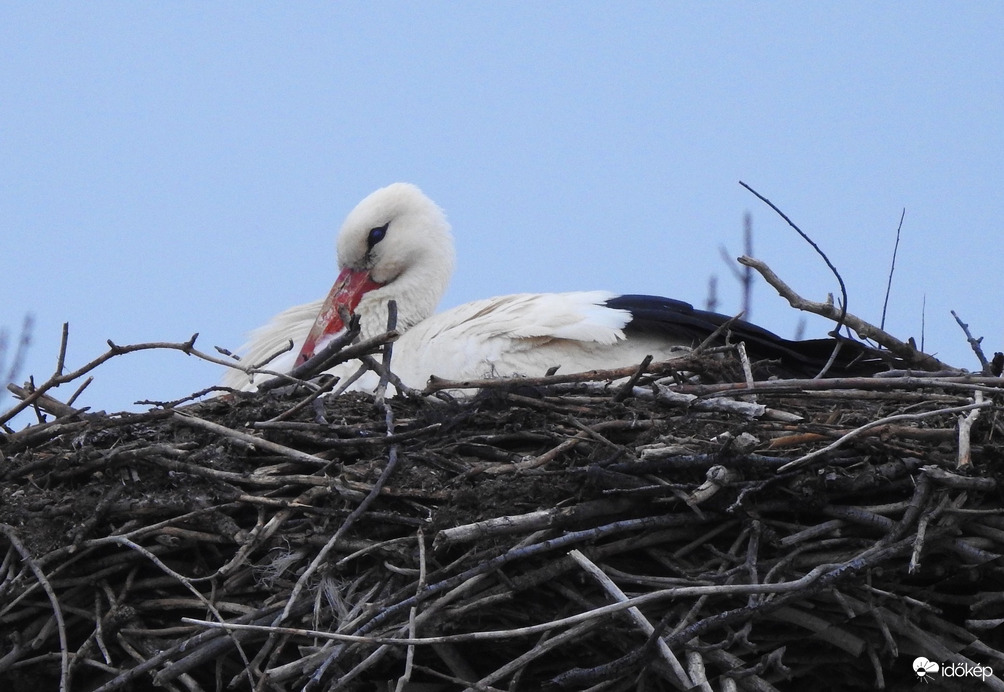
395 245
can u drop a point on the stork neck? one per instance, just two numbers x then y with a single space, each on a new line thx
416 293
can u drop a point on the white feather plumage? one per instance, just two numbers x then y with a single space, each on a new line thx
522 334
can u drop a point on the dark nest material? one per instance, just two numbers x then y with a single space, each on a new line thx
671 532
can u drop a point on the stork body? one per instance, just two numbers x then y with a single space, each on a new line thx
396 245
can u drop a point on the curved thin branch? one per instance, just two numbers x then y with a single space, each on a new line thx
810 241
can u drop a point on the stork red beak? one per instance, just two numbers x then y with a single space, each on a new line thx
349 288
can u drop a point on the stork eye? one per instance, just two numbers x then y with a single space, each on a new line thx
376 235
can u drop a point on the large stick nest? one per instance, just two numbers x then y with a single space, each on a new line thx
577 535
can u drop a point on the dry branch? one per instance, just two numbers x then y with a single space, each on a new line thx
863 329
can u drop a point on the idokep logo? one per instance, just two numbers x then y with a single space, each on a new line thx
925 669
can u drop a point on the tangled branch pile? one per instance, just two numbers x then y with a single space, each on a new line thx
582 535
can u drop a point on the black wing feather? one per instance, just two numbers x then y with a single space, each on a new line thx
678 319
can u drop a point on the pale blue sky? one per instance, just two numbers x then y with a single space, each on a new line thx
171 168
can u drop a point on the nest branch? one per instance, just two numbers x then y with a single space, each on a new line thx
863 329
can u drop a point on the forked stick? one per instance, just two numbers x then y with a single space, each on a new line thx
864 330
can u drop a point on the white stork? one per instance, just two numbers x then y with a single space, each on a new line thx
396 245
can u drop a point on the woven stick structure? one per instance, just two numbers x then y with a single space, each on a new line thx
674 532
675 526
